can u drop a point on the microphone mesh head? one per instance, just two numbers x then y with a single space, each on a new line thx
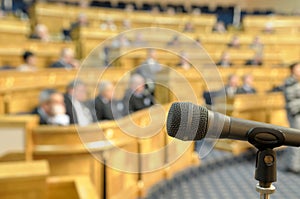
187 121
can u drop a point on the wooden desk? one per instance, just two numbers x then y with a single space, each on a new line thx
23 180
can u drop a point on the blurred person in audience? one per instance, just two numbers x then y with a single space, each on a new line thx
77 106
247 87
6 67
235 42
51 109
81 21
126 24
67 60
108 25
225 60
183 62
257 44
232 86
229 90
174 42
41 33
155 10
188 27
257 60
129 8
269 28
120 41
84 3
196 12
292 98
219 27
106 107
139 40
137 97
171 11
149 68
29 62
2 14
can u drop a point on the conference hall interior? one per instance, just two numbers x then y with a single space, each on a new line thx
148 99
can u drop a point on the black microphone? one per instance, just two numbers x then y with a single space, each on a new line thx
190 122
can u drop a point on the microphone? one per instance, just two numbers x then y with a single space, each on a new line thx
190 122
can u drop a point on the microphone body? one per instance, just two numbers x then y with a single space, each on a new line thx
187 121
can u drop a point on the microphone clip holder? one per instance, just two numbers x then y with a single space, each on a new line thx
265 140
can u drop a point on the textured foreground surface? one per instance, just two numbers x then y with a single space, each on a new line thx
223 176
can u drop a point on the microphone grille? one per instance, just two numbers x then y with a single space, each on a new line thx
187 121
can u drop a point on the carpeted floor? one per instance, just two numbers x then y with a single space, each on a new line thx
224 176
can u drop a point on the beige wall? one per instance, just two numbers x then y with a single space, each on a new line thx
285 6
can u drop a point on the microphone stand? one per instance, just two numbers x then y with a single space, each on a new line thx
265 140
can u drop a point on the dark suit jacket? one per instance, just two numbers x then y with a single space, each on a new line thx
69 109
42 118
107 110
135 103
220 63
242 90
250 62
60 64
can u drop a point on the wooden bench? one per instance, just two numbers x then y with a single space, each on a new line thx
281 24
13 29
79 187
67 155
46 52
23 180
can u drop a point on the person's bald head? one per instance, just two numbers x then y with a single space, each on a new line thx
106 90
137 83
67 55
295 70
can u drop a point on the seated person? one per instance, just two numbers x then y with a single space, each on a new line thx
81 21
126 24
247 87
225 60
149 69
196 12
40 33
174 42
136 96
29 62
76 104
219 27
269 28
129 8
139 40
170 11
188 27
120 41
106 107
183 62
66 60
232 86
235 42
109 25
256 61
51 109
155 10
256 44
